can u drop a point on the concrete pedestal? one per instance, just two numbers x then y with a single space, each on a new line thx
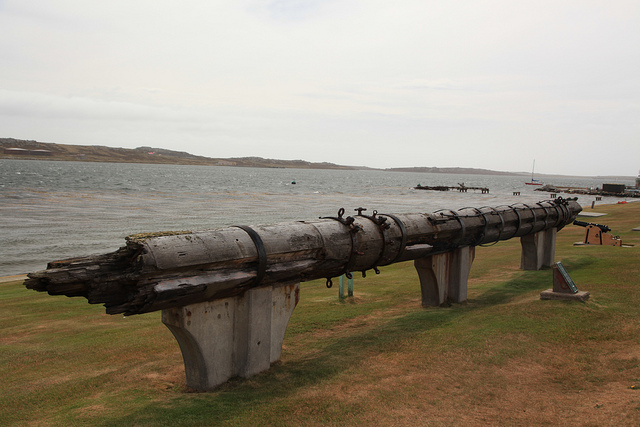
578 296
444 277
538 250
237 336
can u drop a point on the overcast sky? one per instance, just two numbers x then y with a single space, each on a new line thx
483 84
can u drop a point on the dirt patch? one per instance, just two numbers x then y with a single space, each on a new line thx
416 386
17 278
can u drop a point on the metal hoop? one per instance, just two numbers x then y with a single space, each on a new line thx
262 253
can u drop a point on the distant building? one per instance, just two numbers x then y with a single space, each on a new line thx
14 151
613 188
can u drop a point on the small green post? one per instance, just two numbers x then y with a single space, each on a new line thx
341 287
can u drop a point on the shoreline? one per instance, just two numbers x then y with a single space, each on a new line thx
14 278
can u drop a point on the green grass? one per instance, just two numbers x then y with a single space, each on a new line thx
504 357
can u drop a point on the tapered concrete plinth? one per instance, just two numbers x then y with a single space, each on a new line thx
444 277
578 296
538 250
238 336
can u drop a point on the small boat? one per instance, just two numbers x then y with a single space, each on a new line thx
533 180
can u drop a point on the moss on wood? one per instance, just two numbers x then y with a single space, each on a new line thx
142 237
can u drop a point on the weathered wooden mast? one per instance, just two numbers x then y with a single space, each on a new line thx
160 271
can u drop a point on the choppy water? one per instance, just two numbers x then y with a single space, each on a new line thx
55 210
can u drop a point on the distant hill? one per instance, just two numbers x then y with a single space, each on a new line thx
17 148
11 148
453 170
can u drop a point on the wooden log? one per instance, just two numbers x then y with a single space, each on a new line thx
165 270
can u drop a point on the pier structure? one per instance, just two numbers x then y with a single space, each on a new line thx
227 294
460 187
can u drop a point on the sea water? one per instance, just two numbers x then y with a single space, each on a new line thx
51 210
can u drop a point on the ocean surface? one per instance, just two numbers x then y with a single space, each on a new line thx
53 210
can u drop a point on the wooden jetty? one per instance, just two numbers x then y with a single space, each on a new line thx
460 187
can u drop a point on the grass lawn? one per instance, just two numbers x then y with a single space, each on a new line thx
503 358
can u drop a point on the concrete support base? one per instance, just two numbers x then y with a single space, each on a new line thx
550 294
538 250
237 336
444 277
